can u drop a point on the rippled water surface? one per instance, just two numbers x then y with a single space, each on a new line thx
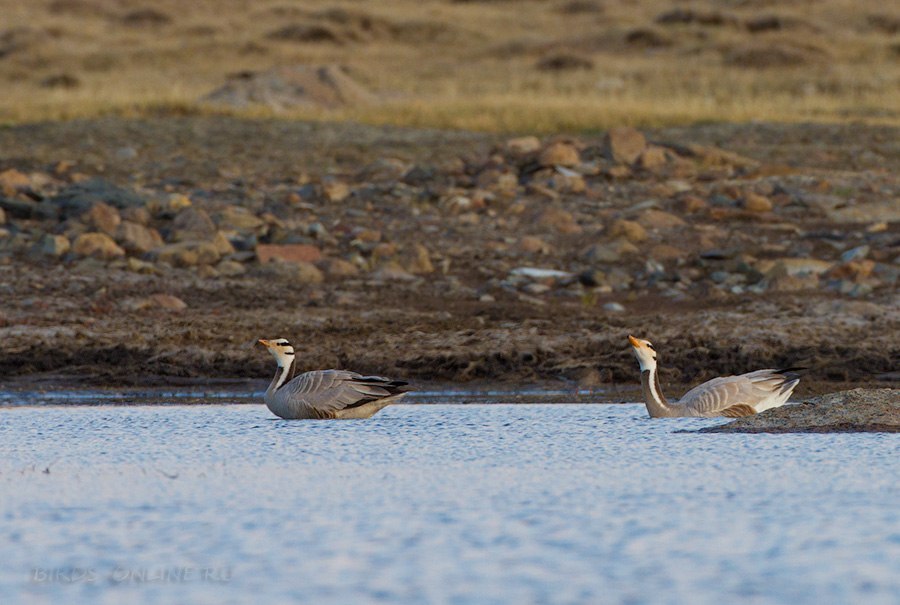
438 504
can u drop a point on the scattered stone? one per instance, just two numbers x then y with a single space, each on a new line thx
568 182
78 198
754 202
420 261
168 302
559 154
103 218
559 220
602 253
338 267
177 202
192 224
855 254
779 279
633 231
97 245
665 252
653 158
624 144
230 268
534 245
522 146
660 220
522 276
187 254
392 271
239 219
12 182
335 191
793 266
855 270
51 245
288 253
136 265
614 307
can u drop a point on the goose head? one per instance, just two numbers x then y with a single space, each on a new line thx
644 352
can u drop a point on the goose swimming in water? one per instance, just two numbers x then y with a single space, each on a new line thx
731 396
325 393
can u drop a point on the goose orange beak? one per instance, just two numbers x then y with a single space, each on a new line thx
634 341
264 342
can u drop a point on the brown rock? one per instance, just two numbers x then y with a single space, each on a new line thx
289 253
138 266
230 268
757 203
103 218
306 273
619 172
192 224
664 252
51 245
335 191
653 158
222 244
2 217
559 154
853 270
659 220
136 214
177 202
392 271
692 203
559 220
367 236
239 219
168 302
137 239
419 262
534 245
384 250
13 181
187 254
155 301
569 183
97 245
624 144
521 146
338 267
632 231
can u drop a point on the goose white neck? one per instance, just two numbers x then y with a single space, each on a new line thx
657 405
281 375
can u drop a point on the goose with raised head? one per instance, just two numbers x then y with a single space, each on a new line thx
731 396
325 394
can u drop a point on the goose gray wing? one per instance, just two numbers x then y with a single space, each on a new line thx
737 395
325 392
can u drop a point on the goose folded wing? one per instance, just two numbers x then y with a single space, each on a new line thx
733 396
328 391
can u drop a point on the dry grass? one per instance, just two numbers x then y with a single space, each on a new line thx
472 65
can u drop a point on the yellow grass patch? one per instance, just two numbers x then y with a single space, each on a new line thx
473 65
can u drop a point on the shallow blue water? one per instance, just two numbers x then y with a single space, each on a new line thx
438 504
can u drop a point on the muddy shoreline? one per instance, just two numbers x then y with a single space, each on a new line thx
84 321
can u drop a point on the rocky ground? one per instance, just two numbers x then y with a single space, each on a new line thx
854 411
157 251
